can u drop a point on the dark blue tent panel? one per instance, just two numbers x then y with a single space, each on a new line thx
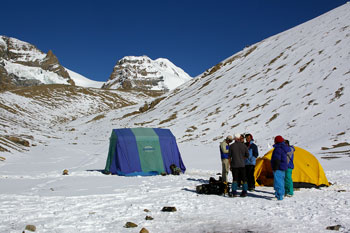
142 151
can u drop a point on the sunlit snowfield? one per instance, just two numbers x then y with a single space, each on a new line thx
294 84
34 191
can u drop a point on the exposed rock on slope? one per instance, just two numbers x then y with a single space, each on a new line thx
51 63
22 64
294 83
142 73
5 80
36 114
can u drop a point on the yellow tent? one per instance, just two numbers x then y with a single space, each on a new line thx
307 171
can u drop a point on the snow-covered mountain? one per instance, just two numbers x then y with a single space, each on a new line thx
295 84
143 73
22 64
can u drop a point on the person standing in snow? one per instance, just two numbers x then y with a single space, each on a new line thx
279 165
242 138
251 161
224 147
238 152
240 181
288 181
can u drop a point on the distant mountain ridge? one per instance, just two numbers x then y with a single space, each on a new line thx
143 73
295 84
22 64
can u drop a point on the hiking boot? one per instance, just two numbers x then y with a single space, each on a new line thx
276 199
234 189
225 188
234 194
243 194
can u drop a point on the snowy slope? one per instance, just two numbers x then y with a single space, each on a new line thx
38 114
34 73
26 65
82 81
267 89
24 52
133 72
294 84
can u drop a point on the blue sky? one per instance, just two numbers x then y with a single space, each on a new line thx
89 37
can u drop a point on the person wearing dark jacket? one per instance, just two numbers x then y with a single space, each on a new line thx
288 181
251 161
279 165
238 152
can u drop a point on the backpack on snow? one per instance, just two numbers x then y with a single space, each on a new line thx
175 170
217 187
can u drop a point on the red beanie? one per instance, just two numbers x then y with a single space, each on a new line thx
279 139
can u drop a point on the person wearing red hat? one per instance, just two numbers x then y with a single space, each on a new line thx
279 139
279 165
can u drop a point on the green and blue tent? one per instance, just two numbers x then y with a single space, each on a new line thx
142 151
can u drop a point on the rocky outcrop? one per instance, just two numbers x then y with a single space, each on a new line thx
51 63
5 80
22 64
143 73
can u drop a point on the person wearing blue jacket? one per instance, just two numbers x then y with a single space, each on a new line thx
279 165
251 161
225 161
288 181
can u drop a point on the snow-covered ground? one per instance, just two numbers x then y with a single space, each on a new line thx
294 84
34 191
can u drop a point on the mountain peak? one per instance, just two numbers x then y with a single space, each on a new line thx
22 64
289 84
143 73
